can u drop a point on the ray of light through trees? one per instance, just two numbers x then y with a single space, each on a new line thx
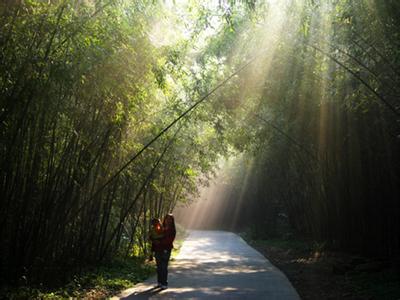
292 105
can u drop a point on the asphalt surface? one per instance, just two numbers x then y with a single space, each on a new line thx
217 265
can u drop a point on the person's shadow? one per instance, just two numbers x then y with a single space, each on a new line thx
146 294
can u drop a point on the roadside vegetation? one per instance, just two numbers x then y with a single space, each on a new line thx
96 283
320 273
99 282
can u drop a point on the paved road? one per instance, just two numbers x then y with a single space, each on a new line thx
215 265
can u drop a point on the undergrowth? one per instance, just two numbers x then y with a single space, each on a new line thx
103 281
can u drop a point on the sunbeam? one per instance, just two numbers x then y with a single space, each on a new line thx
275 120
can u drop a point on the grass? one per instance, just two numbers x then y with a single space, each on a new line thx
106 280
378 285
102 282
292 244
284 244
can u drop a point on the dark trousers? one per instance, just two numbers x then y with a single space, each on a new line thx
162 259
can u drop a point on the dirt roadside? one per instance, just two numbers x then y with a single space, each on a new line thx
330 275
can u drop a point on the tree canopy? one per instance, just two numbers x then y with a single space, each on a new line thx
112 112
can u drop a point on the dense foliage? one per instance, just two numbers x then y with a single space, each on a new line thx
88 89
322 127
83 90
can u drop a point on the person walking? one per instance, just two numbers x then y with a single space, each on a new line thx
163 248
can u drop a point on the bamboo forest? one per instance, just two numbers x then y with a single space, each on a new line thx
284 113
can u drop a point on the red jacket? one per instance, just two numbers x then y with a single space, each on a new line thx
165 243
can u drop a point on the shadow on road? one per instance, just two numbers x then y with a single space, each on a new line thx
218 265
146 294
